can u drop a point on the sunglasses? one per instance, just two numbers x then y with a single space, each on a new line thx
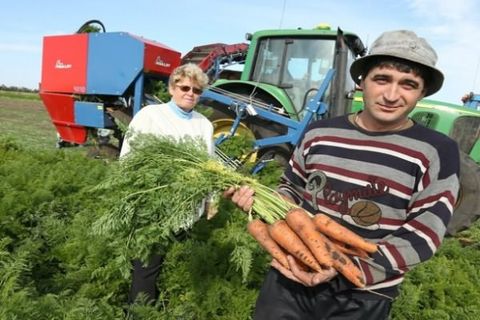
188 88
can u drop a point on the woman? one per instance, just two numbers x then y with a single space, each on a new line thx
177 119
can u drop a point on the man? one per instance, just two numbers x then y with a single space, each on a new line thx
176 119
385 177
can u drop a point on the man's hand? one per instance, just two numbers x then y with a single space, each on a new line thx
307 278
242 197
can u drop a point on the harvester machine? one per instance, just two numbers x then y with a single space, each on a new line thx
95 81
214 59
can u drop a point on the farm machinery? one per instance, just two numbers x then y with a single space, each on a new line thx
471 101
93 83
290 78
87 78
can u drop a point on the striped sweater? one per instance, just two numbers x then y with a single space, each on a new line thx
397 189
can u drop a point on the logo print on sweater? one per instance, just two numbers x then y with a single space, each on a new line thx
315 184
363 212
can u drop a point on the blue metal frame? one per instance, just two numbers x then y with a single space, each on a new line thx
114 59
473 102
219 67
138 93
315 107
91 114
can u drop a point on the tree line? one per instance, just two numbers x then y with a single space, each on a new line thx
17 89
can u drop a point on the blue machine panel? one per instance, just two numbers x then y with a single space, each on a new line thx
91 114
115 60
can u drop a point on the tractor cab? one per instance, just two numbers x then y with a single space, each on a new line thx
296 65
292 64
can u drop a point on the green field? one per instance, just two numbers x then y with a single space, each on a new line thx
51 267
24 118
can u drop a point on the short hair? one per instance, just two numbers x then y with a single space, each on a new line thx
401 65
191 71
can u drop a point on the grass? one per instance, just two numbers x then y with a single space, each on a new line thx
19 95
24 118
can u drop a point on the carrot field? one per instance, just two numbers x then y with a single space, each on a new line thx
53 267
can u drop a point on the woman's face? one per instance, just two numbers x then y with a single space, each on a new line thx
185 93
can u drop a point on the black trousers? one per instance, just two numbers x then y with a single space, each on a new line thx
144 279
283 299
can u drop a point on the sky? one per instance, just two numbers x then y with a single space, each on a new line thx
451 26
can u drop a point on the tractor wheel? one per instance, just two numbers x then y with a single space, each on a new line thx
222 122
467 208
252 128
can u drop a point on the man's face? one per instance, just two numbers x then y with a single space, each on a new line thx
183 94
389 95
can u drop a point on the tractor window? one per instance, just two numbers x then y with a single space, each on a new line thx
296 65
267 67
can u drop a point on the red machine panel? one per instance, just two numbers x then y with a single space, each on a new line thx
60 109
159 59
64 63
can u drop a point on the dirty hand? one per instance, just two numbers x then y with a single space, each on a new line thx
242 197
307 278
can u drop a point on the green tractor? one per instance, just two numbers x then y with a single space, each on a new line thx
294 76
282 73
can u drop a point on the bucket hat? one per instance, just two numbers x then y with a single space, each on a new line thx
405 45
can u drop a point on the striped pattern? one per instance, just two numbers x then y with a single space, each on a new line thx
408 180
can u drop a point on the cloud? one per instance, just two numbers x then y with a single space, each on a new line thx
445 9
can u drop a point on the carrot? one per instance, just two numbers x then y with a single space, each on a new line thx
302 266
259 230
300 221
345 266
336 231
349 250
288 240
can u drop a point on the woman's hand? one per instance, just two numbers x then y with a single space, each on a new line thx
307 278
242 197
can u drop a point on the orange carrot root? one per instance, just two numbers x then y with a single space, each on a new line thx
302 224
348 269
349 250
336 231
259 231
289 240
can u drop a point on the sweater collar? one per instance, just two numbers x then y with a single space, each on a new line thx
179 111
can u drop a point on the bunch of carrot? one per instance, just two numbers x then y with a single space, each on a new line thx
317 242
164 175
